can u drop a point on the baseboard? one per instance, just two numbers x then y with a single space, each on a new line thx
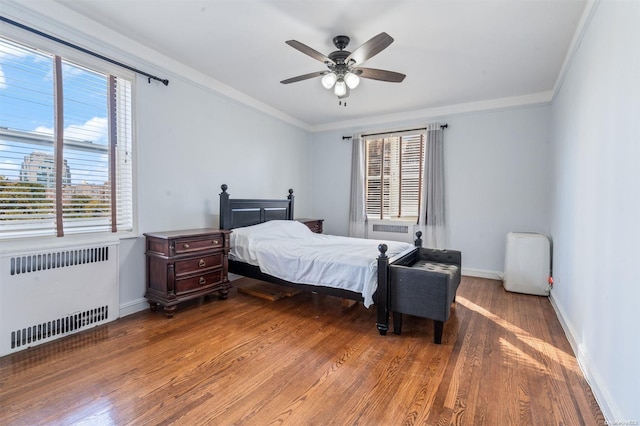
133 306
480 273
590 375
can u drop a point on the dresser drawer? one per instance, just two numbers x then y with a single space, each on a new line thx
190 245
197 282
194 264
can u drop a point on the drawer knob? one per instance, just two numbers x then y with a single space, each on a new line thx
186 246
215 242
202 281
202 263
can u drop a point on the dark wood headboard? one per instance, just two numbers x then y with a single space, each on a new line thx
236 213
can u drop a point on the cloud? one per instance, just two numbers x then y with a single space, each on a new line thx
94 130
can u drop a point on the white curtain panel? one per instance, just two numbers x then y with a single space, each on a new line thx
357 211
432 220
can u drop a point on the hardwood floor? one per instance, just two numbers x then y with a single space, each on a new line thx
305 360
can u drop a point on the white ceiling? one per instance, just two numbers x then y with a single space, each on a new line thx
452 51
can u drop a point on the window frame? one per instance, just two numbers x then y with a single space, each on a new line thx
49 47
395 176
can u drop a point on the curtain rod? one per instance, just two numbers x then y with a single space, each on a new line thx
82 49
443 126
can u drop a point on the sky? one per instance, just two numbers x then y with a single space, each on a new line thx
27 105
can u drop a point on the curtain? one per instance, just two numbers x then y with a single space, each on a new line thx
357 212
432 219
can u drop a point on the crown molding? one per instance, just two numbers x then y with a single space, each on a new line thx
581 29
533 99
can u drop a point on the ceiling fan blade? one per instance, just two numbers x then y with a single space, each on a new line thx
304 77
370 48
382 75
309 51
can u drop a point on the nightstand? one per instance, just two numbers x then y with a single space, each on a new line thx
183 265
314 224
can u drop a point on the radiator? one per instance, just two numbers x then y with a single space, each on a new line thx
56 291
390 230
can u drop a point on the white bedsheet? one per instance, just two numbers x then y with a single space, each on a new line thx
289 250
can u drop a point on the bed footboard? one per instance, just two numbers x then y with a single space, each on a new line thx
383 293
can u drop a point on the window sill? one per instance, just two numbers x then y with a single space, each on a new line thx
413 220
16 246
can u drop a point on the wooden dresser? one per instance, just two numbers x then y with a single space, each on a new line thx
183 265
314 224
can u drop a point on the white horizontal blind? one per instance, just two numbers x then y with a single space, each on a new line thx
28 151
124 155
412 161
373 179
394 175
27 169
86 196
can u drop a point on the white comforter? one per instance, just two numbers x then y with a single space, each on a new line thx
289 250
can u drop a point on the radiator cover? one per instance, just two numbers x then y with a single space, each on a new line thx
390 230
56 291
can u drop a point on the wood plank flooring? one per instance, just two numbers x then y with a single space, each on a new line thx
306 360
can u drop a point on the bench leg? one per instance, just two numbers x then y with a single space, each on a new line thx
437 331
397 323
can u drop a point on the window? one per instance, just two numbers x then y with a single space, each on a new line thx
65 145
394 166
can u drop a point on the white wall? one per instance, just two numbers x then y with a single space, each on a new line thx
595 205
496 180
190 139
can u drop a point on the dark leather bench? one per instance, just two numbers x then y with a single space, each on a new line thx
426 288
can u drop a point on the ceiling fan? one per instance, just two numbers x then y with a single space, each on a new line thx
344 70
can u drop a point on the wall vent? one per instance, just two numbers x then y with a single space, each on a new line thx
391 230
70 323
397 229
50 293
60 259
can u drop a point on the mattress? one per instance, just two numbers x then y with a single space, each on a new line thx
290 251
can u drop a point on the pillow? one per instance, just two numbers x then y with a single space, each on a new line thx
247 236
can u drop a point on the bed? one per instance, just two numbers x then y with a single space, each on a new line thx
265 231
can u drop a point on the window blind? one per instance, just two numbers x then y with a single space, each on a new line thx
77 167
394 175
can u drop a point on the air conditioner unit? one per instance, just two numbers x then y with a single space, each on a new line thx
527 264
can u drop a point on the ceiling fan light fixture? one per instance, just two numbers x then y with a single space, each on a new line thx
340 89
342 75
352 80
346 94
328 80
